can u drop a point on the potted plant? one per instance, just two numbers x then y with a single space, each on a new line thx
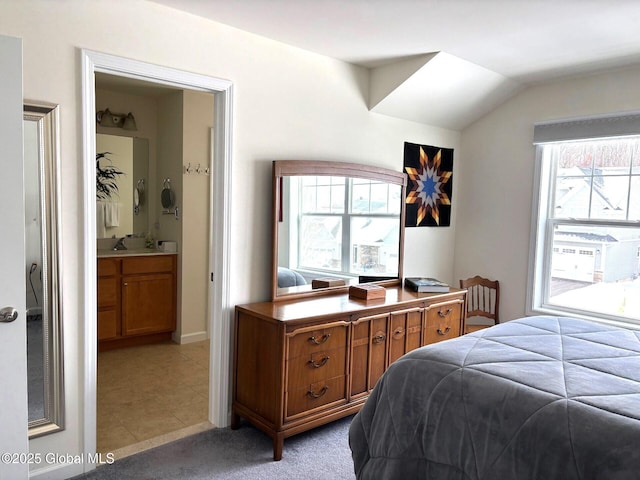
106 177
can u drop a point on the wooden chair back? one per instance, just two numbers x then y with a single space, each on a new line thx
483 298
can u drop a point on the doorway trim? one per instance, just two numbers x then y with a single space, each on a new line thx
220 318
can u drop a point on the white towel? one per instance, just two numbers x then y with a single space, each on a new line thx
101 231
112 214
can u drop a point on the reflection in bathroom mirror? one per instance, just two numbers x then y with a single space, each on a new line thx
44 318
126 212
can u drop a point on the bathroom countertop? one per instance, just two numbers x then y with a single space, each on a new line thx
132 252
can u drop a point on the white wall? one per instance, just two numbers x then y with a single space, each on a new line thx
289 104
496 181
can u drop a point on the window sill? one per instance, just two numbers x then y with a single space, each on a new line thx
609 320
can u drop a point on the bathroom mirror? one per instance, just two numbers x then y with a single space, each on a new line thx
126 211
42 247
335 224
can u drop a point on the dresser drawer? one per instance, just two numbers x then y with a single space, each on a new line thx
443 321
148 264
107 292
311 368
308 340
107 267
315 395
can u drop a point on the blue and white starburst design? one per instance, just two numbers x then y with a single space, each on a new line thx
428 182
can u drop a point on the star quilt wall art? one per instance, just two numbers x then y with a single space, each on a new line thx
430 171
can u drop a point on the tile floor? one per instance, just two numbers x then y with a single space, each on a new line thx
151 391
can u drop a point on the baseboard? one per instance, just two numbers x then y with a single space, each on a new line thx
191 337
58 471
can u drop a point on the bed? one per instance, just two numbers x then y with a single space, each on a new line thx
536 398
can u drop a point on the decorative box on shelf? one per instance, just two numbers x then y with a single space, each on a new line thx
367 291
327 282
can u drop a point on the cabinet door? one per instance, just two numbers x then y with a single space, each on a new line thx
405 332
108 299
148 304
107 292
444 321
107 324
369 348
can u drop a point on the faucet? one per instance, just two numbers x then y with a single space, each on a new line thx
120 244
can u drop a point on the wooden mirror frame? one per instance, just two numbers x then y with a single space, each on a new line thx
286 168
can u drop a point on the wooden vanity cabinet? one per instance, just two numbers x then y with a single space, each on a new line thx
108 299
303 363
136 299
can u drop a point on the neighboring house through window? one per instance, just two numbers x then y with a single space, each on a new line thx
344 226
586 227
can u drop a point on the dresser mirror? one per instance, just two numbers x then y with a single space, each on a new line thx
42 248
335 224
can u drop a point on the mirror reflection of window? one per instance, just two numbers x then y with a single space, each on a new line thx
344 225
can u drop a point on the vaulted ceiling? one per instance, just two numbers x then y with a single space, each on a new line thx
445 62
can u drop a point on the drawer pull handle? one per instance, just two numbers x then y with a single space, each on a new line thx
398 333
322 363
446 330
324 338
313 394
379 338
444 314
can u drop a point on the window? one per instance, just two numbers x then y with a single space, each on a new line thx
348 226
587 230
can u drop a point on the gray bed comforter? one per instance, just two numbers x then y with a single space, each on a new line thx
536 398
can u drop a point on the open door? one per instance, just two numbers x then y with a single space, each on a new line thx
14 444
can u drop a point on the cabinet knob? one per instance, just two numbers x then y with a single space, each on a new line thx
398 333
444 314
379 338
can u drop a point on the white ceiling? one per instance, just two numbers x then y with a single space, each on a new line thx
503 44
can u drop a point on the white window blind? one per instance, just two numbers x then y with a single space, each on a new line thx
602 126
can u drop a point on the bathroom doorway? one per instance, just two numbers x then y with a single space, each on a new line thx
152 393
218 226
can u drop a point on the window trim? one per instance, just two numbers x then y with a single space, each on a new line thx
539 262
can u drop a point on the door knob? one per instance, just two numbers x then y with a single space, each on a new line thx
8 314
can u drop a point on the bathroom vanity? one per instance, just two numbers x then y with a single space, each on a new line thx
136 297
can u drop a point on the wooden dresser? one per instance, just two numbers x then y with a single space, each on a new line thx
136 299
303 363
